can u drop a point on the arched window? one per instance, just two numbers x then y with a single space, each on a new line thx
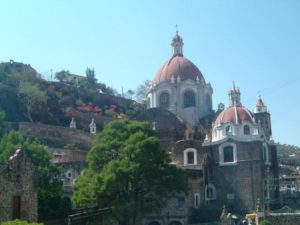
228 130
228 154
196 200
246 130
189 99
148 102
208 101
190 156
164 100
210 192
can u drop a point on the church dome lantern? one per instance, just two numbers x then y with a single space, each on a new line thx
178 67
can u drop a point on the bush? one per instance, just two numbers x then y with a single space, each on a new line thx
265 222
19 222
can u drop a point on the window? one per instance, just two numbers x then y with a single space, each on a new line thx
246 130
230 196
180 201
228 130
266 154
189 99
164 100
196 200
190 156
208 101
210 192
227 154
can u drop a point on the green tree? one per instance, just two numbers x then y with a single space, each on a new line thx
91 79
142 91
129 94
62 75
265 222
2 122
50 189
33 97
129 172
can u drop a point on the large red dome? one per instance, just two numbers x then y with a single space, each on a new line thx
178 66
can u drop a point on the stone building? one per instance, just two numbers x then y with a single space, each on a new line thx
229 156
18 192
73 162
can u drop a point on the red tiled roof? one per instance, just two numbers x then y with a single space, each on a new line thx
73 156
178 66
234 115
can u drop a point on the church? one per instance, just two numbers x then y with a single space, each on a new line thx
228 154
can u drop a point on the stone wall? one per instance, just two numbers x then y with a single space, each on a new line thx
240 185
18 181
284 219
56 136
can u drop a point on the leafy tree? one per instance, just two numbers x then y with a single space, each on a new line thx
2 122
49 186
129 172
33 97
129 94
62 75
91 79
142 91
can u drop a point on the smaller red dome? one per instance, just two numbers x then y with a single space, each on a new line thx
178 66
234 114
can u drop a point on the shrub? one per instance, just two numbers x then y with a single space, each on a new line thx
19 222
265 222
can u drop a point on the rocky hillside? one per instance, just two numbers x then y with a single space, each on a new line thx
25 96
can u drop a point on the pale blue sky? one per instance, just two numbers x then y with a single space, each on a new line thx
255 43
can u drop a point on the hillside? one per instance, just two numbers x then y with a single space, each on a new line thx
288 155
26 97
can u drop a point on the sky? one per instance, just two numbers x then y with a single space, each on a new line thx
254 43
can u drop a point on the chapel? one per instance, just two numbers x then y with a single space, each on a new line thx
228 154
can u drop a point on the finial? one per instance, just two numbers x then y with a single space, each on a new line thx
177 44
235 95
